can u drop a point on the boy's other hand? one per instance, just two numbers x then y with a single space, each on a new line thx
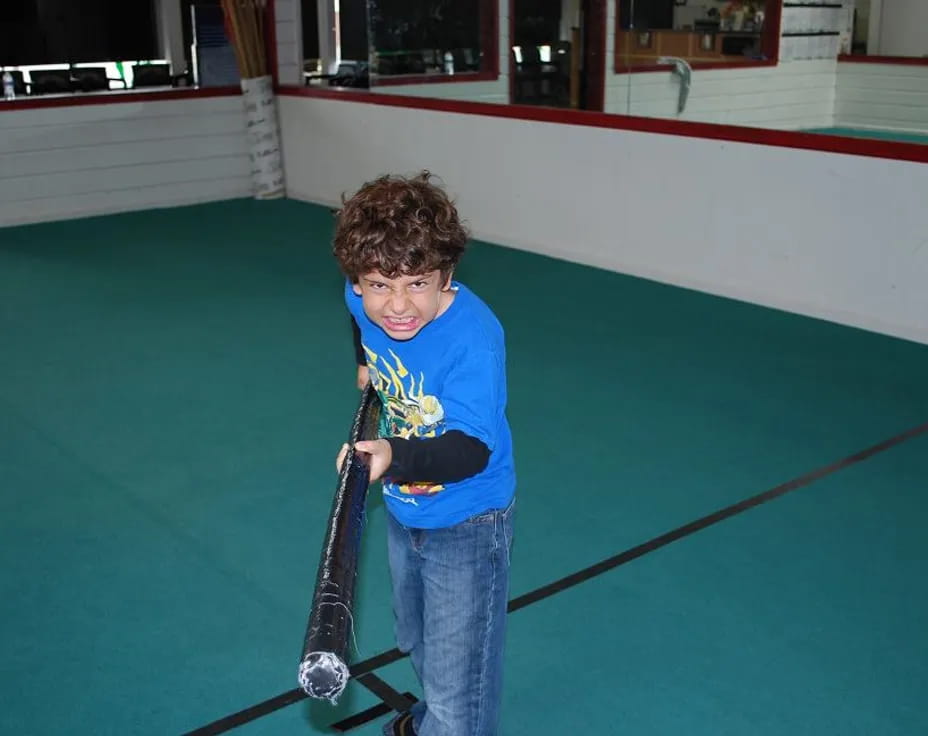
363 377
340 459
381 456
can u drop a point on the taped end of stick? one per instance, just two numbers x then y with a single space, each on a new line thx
323 675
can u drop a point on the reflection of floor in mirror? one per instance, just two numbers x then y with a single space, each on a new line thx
884 135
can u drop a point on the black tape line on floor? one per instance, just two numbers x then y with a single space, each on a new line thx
366 716
250 714
384 658
396 700
714 518
290 697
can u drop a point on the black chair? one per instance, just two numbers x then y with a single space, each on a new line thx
467 60
92 79
415 63
386 65
560 59
50 81
528 81
351 74
431 59
151 75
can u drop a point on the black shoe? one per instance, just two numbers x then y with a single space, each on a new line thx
403 725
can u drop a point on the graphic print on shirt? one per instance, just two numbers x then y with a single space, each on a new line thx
409 412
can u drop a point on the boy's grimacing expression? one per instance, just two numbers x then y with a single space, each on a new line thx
402 306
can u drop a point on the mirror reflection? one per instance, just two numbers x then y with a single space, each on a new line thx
839 67
711 32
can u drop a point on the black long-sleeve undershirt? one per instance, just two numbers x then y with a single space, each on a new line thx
452 457
358 347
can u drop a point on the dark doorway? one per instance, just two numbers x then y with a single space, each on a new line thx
557 53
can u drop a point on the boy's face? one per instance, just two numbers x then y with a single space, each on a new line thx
404 305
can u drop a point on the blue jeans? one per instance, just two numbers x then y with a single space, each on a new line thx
450 591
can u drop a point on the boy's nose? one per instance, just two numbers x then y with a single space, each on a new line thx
398 303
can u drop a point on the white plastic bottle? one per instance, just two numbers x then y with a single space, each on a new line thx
9 91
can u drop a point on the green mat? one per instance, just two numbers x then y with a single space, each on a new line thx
174 386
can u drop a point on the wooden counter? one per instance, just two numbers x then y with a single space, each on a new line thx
638 48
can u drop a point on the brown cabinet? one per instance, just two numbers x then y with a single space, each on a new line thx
643 48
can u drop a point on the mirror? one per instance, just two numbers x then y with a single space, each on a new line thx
436 48
838 67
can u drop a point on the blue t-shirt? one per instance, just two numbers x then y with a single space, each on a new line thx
451 375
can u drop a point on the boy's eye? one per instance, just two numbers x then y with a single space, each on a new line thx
419 284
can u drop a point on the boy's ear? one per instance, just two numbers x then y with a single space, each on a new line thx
447 285
356 287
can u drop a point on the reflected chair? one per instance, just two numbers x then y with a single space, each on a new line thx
560 60
50 81
527 84
430 60
351 74
465 60
92 79
151 75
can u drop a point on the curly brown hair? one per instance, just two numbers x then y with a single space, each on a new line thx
397 225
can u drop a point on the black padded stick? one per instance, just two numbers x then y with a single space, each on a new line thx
323 671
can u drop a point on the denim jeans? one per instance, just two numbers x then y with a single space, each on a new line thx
450 591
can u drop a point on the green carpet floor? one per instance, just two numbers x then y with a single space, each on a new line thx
174 385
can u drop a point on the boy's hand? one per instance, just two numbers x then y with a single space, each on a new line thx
381 456
363 377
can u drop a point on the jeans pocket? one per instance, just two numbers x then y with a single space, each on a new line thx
483 518
488 516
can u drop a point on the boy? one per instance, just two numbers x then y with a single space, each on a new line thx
435 354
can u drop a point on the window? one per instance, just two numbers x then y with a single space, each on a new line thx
34 32
437 37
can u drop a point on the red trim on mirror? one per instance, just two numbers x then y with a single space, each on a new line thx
594 54
270 39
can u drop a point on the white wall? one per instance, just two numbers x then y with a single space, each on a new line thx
839 237
901 28
81 160
886 96
289 30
